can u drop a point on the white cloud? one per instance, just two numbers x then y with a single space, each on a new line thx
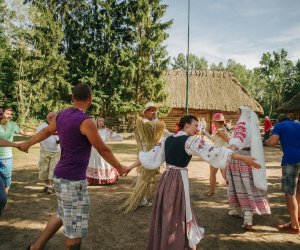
250 28
285 36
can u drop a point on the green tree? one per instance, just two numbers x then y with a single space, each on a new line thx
277 72
179 62
149 53
239 71
294 86
214 66
195 63
40 83
6 60
246 77
116 47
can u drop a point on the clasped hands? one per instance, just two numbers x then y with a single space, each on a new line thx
23 146
124 171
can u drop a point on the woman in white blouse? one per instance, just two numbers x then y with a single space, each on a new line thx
247 189
173 225
100 171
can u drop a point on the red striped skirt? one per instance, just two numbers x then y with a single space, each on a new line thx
241 189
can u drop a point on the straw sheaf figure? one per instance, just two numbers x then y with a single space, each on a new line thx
148 133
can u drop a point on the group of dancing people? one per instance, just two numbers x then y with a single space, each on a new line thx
173 224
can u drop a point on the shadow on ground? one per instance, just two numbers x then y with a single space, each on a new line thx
29 211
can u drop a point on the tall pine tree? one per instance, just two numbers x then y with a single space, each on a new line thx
6 61
41 68
150 54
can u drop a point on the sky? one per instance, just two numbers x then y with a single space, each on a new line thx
241 30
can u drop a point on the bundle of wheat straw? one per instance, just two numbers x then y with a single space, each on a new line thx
148 134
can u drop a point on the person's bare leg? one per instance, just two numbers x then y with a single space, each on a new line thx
6 191
298 200
223 173
73 244
52 227
212 181
292 206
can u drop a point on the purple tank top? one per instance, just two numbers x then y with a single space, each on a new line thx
75 147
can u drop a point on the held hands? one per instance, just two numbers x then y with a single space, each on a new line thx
129 169
24 146
122 170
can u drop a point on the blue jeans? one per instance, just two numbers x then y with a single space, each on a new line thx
3 197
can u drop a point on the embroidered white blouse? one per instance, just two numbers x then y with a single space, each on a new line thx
217 157
242 135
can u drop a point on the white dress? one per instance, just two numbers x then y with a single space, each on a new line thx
99 171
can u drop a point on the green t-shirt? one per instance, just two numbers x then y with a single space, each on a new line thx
7 132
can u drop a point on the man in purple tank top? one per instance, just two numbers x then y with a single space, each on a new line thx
77 133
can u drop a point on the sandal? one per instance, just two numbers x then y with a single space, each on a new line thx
247 227
287 227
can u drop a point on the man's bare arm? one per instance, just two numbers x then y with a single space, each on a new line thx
89 129
40 136
272 141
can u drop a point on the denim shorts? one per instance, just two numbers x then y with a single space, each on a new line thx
6 165
73 206
290 178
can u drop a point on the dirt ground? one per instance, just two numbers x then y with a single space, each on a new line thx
29 210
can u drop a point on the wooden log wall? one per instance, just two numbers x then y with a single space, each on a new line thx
176 113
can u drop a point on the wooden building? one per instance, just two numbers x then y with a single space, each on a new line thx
292 107
209 92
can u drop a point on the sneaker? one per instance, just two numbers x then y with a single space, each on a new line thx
145 203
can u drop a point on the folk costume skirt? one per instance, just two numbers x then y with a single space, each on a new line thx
173 225
241 189
100 171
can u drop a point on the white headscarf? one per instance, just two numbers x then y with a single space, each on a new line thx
257 151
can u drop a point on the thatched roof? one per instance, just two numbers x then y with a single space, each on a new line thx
292 105
208 90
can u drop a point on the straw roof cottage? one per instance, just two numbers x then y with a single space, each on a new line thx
209 92
292 107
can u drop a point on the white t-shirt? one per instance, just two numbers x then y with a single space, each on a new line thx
51 143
